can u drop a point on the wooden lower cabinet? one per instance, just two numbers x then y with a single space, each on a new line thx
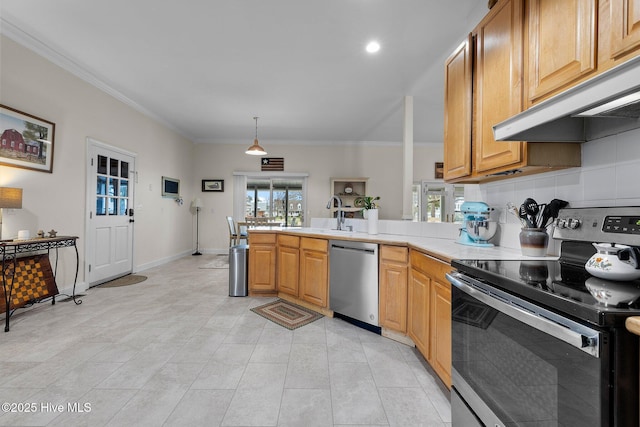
262 264
288 264
314 271
393 278
429 312
419 297
441 330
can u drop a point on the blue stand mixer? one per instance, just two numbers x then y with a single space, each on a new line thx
477 227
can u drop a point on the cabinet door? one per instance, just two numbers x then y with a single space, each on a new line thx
288 268
393 295
262 268
441 330
457 112
625 27
498 85
314 271
562 44
418 311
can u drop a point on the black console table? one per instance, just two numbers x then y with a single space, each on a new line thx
11 252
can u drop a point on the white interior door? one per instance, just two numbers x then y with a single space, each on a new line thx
110 212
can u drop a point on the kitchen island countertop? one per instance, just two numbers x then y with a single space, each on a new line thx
441 248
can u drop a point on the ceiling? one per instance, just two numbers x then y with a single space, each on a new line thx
207 67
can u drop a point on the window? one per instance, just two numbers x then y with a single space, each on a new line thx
437 202
280 199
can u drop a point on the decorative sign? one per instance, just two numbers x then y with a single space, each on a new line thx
271 164
439 173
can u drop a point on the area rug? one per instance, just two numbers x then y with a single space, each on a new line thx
286 314
221 261
130 279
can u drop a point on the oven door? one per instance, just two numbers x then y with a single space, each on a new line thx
517 364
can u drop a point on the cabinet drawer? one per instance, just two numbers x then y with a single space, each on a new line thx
262 238
394 253
429 266
291 241
320 245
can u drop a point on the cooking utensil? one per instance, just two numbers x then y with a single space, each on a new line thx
514 210
552 211
523 215
532 209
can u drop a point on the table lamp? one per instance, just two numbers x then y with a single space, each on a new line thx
10 198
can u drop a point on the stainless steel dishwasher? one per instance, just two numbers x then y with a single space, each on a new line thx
353 281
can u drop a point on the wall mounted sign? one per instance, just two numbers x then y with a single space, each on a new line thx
26 141
271 164
213 185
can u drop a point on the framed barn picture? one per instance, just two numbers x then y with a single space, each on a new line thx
26 141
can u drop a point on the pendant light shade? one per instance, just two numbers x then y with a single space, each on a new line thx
256 149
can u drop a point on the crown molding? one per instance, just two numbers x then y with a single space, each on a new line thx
42 49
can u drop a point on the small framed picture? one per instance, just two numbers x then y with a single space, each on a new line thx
213 185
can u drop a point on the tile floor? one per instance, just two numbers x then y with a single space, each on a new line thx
176 350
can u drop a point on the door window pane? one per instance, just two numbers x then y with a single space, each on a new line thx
101 206
102 165
102 186
124 188
123 206
114 167
124 169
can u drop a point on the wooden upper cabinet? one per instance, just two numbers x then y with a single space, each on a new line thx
562 44
619 35
458 107
498 85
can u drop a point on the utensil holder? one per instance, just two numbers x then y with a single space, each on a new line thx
533 241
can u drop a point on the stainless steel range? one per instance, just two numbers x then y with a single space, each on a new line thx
543 343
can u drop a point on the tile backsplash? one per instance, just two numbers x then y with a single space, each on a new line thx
609 176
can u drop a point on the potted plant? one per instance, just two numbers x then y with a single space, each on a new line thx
369 212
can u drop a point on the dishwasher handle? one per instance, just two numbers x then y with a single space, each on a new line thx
349 248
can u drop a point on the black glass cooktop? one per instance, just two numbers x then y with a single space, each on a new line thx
564 288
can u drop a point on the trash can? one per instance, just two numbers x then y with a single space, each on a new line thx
238 270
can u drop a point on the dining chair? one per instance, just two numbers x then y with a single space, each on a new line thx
236 233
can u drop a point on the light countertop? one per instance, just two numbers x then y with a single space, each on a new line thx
443 249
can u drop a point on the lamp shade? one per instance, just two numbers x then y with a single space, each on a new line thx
10 197
197 203
256 149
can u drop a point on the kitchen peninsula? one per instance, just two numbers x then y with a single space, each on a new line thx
414 295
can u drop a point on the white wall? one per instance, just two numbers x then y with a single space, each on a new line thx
382 164
609 176
36 86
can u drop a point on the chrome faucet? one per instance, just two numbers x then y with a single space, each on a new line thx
340 218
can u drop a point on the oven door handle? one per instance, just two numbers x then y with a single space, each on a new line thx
573 333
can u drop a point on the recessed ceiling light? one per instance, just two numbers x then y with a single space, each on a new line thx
373 46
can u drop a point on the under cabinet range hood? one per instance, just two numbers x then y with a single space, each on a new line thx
604 105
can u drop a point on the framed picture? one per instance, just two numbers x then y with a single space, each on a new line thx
26 141
439 171
213 185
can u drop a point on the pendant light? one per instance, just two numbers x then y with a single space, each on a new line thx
256 149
